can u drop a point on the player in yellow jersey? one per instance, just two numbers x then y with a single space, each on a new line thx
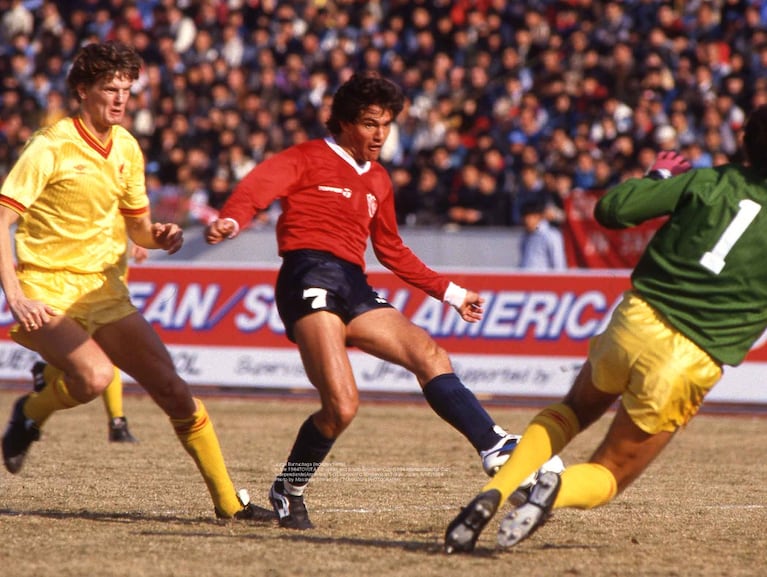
67 194
118 431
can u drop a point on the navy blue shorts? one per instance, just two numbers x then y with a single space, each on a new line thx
314 280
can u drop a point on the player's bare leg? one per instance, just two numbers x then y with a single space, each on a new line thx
82 377
387 334
321 339
152 367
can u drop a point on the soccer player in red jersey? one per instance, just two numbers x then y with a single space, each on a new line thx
335 196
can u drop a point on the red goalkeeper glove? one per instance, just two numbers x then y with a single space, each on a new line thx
668 163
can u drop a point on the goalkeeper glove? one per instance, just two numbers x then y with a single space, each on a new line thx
668 163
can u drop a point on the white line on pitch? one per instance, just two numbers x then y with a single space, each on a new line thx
388 509
736 506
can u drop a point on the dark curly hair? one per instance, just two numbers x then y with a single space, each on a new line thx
100 61
755 140
360 92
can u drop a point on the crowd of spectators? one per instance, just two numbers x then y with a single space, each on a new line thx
508 101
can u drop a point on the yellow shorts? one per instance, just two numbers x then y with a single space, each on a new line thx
93 299
661 374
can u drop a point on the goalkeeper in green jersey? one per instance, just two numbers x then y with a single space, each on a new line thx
698 302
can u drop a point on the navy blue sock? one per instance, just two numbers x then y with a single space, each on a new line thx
457 405
309 450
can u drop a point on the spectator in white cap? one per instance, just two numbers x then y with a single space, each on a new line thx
665 137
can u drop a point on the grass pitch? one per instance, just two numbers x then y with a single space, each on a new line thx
381 502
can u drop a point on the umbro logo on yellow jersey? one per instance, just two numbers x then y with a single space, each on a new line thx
79 167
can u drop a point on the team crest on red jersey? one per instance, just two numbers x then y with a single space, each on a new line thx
372 204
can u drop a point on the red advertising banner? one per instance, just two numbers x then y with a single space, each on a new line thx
529 314
589 245
222 328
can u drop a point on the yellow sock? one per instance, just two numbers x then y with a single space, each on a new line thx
53 397
586 485
546 435
113 396
200 440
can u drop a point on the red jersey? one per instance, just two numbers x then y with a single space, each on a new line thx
331 203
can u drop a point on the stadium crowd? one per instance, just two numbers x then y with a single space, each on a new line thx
508 101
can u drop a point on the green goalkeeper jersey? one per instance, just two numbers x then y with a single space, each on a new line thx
702 269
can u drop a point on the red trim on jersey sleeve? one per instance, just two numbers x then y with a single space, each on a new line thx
90 141
14 205
134 211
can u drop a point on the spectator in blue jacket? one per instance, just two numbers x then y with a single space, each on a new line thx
542 246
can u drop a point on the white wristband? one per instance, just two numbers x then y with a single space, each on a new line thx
455 295
236 224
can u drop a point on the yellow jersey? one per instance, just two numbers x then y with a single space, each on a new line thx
71 191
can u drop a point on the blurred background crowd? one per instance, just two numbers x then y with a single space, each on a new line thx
510 103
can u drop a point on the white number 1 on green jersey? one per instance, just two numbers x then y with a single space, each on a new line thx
713 260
